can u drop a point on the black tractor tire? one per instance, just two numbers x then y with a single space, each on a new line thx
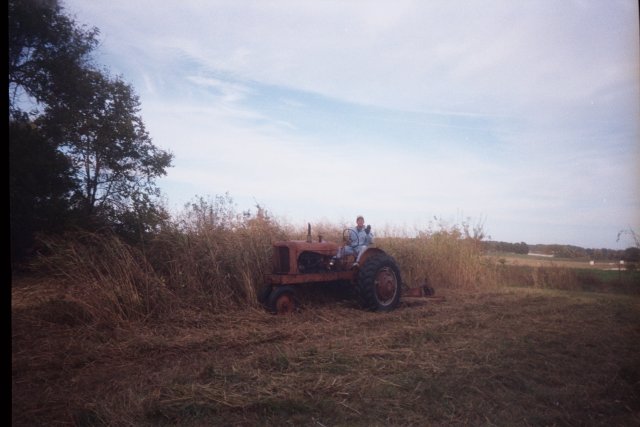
379 283
263 293
283 300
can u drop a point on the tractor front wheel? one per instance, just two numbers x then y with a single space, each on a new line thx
263 293
379 283
282 300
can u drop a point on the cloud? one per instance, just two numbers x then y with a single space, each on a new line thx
230 92
483 58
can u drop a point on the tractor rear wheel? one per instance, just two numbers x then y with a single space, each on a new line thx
282 300
379 283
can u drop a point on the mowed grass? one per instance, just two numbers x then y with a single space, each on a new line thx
511 356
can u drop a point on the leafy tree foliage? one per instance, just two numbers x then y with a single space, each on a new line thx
47 51
516 248
142 220
100 130
40 180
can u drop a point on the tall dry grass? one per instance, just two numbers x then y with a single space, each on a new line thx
214 258
447 256
112 281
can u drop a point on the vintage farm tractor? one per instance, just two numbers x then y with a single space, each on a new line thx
375 278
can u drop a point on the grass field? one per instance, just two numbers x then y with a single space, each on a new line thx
539 261
507 356
572 275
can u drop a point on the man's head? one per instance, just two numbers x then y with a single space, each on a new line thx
360 221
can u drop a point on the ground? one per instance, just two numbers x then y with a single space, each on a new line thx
504 356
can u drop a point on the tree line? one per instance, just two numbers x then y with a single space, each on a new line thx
79 153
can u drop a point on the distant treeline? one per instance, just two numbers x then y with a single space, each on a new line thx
516 248
631 254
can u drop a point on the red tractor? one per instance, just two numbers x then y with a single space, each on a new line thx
375 278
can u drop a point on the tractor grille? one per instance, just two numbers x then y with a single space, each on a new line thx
281 260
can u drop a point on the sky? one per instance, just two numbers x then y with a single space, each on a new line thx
522 117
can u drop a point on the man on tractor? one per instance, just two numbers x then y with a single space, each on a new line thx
356 242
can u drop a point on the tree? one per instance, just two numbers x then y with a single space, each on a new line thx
47 51
96 163
100 130
521 248
40 182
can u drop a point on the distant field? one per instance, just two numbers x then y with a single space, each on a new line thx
540 261
566 274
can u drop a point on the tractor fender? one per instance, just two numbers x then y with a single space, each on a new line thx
370 252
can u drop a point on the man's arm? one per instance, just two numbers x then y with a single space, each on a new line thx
369 235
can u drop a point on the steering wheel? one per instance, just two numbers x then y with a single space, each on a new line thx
350 237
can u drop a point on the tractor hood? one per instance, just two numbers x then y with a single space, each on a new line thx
298 246
286 253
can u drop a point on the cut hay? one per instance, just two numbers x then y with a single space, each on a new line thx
515 357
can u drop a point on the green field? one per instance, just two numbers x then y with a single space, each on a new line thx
522 271
539 261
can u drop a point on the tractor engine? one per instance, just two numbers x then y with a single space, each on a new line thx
312 262
299 257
